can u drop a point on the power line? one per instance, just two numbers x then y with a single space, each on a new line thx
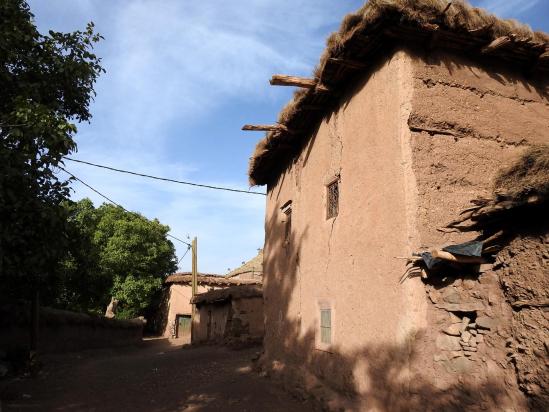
185 254
115 203
165 179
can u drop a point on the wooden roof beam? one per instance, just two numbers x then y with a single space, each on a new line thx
265 128
351 64
304 82
496 44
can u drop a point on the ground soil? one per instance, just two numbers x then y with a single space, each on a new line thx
158 376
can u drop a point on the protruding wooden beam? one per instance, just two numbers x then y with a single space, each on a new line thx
481 30
265 127
351 64
544 57
304 82
496 44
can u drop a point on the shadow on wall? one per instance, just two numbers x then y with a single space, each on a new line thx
380 377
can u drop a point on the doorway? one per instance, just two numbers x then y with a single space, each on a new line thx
183 326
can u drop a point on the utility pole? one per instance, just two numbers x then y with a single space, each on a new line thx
194 284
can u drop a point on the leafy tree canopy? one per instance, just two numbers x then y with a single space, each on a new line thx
112 252
46 84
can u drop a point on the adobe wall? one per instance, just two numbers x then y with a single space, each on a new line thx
179 303
412 145
247 325
348 262
232 322
65 331
220 312
467 122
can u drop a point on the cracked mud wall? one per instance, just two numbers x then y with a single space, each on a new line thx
467 122
346 262
412 145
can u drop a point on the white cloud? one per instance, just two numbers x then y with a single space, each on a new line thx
171 65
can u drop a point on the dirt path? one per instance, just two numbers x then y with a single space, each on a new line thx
156 377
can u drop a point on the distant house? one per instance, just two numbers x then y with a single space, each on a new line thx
250 270
232 315
176 307
412 112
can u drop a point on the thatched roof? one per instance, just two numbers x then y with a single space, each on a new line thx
527 177
226 294
374 29
254 266
207 280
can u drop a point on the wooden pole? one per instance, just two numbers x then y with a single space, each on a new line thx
303 82
265 128
194 282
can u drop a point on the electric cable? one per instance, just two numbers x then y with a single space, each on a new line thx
114 169
115 203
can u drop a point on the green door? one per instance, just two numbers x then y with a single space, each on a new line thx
183 325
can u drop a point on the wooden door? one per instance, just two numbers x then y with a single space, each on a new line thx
183 325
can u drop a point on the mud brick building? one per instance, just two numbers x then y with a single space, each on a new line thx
176 308
232 315
419 113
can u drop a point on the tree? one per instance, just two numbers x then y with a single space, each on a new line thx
46 84
112 253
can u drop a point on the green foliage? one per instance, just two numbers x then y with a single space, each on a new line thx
112 253
46 84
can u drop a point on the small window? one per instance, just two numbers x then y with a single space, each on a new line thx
326 326
287 210
332 204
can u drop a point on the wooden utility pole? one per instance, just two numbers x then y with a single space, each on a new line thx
194 284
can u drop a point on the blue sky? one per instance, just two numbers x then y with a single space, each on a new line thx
182 78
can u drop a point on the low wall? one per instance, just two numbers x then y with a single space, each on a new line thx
64 331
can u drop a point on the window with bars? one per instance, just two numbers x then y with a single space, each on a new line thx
326 326
332 199
287 210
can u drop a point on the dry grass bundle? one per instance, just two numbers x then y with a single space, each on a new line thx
528 176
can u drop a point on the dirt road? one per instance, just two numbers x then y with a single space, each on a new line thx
156 377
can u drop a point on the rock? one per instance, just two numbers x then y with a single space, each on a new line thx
451 296
453 330
461 307
479 339
484 322
456 354
468 353
448 343
454 318
473 342
469 349
465 336
469 284
433 295
473 332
